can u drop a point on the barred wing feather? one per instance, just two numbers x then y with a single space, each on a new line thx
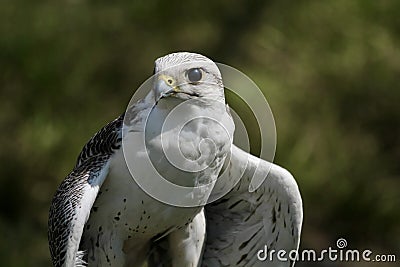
253 215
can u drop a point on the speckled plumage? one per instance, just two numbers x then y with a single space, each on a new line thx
100 216
112 221
242 222
67 199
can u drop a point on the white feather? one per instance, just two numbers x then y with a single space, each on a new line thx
267 212
73 256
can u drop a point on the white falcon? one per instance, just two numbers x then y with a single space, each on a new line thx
101 216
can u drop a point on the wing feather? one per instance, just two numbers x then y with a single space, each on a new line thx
74 198
264 208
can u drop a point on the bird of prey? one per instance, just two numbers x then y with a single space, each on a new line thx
101 216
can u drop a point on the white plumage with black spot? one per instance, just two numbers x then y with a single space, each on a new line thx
100 216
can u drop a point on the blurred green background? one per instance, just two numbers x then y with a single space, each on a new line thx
329 69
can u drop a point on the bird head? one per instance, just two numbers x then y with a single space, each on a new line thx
186 76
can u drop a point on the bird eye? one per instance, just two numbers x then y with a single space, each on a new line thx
194 75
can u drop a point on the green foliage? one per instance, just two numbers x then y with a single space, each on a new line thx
329 69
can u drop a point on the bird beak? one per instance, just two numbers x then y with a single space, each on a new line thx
165 86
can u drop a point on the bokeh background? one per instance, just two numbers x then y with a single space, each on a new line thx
329 69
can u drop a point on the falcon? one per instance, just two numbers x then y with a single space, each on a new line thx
104 213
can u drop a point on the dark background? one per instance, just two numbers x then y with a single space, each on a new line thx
329 69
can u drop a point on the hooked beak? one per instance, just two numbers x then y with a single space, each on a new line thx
165 86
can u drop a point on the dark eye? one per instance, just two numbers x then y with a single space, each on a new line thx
194 75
